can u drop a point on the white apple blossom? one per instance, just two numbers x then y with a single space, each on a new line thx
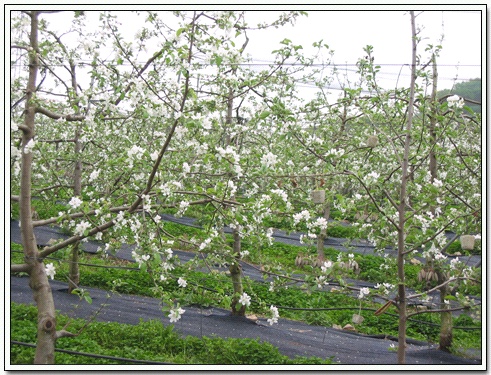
320 222
327 265
437 183
207 124
75 202
183 206
304 215
363 292
175 314
372 176
440 256
94 175
14 152
232 187
455 101
182 283
454 263
168 253
136 152
154 155
335 152
269 236
245 299
185 168
321 281
81 227
50 270
228 153
205 244
269 160
384 287
147 204
275 315
166 266
29 146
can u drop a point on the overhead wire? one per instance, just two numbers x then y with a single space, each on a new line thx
92 355
279 307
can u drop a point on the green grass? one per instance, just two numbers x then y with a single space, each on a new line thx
148 340
203 289
44 209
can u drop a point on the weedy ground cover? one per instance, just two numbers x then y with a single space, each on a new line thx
147 341
295 302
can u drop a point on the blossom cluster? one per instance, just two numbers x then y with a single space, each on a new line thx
363 292
385 288
275 315
245 299
176 314
269 160
455 101
50 270
75 202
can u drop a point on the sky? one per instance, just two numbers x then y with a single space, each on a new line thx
389 32
386 28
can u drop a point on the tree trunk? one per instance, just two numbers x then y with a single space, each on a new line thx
236 274
401 240
235 269
433 121
74 269
45 348
38 280
321 238
446 335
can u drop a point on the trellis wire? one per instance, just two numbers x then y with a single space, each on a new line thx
279 307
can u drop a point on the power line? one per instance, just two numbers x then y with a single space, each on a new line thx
315 65
100 356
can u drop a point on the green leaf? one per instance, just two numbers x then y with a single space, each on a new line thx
264 114
179 31
192 94
218 60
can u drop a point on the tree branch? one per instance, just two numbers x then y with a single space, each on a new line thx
63 333
372 198
20 267
58 116
435 288
435 311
